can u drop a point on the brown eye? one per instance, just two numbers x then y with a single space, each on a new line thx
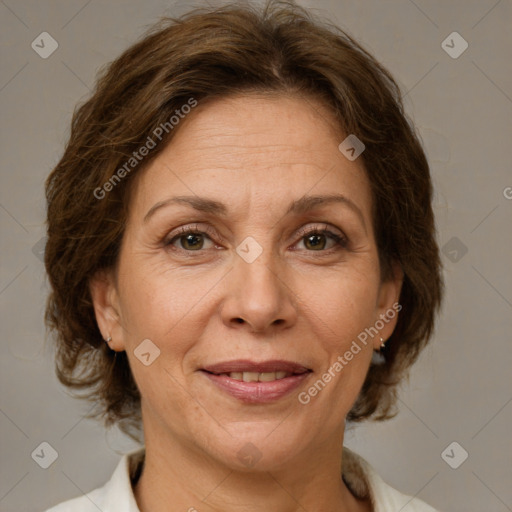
318 240
192 241
315 241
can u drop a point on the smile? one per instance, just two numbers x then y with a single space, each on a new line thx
257 377
256 383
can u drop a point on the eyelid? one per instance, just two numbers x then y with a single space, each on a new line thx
341 241
306 230
194 228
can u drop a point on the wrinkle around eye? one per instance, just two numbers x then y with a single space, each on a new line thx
343 230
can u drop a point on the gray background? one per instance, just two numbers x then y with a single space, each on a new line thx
460 390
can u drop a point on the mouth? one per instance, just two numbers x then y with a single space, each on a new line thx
257 376
252 382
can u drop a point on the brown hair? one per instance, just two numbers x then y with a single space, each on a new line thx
213 53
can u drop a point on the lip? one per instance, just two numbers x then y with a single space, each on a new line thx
245 365
256 392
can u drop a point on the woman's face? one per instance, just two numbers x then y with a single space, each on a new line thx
258 283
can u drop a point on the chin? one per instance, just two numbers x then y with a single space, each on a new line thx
255 446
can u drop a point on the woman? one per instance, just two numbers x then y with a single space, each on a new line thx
242 258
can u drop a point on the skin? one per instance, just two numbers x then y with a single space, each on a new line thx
297 301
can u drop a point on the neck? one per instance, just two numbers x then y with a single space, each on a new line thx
179 477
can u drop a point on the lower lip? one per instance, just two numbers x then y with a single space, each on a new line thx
257 392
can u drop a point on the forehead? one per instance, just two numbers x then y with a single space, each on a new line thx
268 149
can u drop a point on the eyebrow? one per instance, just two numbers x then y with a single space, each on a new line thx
301 205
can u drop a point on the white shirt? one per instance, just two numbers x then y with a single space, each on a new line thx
117 494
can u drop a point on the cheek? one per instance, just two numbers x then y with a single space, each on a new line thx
168 310
342 306
157 299
340 320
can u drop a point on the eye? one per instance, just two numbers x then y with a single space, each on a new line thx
189 239
316 239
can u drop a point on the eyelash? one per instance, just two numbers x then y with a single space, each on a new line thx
341 241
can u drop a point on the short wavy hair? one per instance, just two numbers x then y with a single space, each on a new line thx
211 53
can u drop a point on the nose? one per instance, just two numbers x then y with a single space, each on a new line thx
259 297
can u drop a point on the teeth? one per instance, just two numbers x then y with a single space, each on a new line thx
257 377
250 377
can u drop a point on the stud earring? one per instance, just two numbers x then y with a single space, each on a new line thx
109 339
382 343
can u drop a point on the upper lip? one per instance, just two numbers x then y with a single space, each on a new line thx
244 365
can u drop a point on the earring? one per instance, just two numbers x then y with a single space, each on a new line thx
382 343
109 339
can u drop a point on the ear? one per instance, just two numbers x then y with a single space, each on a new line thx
105 300
387 304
